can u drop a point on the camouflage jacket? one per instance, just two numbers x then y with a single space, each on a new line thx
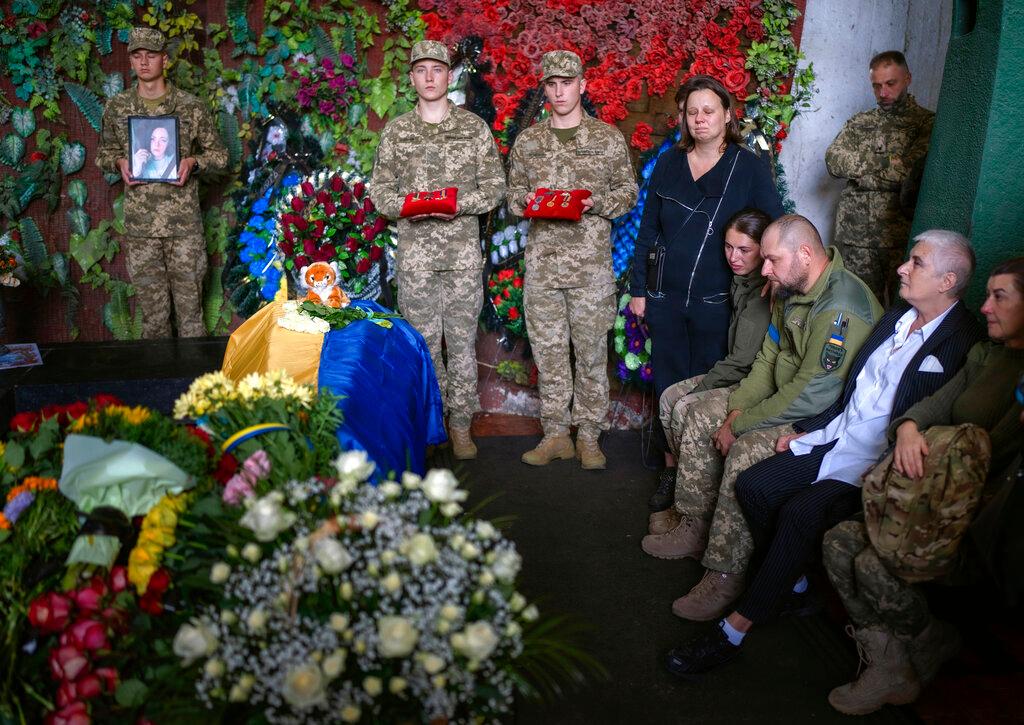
789 379
417 156
566 254
158 209
751 312
880 153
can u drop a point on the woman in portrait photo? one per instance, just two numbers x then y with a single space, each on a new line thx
158 160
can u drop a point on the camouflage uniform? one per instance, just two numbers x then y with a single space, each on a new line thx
570 289
672 407
873 596
164 229
439 263
786 383
879 152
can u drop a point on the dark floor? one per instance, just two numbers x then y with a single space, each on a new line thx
579 534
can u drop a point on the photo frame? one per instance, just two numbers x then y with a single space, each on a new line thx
153 154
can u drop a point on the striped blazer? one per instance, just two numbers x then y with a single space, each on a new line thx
949 343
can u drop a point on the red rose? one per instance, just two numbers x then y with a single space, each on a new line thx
517 282
322 196
301 261
109 676
363 266
226 468
778 148
368 233
513 313
325 253
301 224
66 693
287 248
497 301
376 252
67 663
90 597
781 134
297 204
337 184
307 188
150 604
104 400
50 612
379 225
735 82
359 217
26 422
75 411
368 205
89 687
309 247
330 209
73 714
318 228
118 579
346 199
358 190
50 411
352 244
507 292
34 30
88 634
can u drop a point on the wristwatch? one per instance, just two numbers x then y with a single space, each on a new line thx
195 167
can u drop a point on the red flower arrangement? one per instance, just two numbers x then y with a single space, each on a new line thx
641 138
325 89
28 421
328 219
505 290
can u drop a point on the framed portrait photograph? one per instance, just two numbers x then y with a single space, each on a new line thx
153 148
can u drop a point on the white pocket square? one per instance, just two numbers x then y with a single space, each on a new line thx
930 364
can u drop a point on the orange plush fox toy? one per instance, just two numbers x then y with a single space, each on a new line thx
321 279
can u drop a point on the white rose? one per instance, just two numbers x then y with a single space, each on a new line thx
469 551
476 641
485 530
304 685
194 640
238 694
214 668
410 480
338 622
252 552
388 556
506 565
396 685
351 713
334 664
441 486
513 630
256 620
432 664
390 489
354 466
531 613
392 582
369 520
346 591
219 572
457 541
516 602
267 518
228 617
451 612
397 636
332 557
450 509
420 549
486 578
373 686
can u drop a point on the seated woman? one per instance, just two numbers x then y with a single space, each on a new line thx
903 644
748 323
790 499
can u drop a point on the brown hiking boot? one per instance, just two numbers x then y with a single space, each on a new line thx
688 539
589 452
549 449
710 597
936 644
462 444
888 679
661 522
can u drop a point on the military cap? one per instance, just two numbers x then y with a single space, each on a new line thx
146 39
429 50
561 63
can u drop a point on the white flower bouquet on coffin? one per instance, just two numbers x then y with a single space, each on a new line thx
337 601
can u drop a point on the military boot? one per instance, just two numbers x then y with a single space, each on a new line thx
549 449
665 494
462 444
588 450
888 679
710 597
687 539
936 644
661 522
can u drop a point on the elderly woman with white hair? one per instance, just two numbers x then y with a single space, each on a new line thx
791 499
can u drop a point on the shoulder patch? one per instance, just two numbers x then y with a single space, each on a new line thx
833 352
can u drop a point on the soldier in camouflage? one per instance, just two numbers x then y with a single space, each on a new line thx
164 229
570 288
821 317
439 262
881 154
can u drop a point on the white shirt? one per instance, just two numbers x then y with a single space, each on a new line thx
860 428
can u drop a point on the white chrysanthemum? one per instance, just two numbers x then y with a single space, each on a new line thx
441 486
476 642
304 685
267 518
194 640
397 636
420 549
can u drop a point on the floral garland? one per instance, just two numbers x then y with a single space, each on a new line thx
505 292
21 497
633 344
155 535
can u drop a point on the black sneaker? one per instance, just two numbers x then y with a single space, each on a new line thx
665 494
702 654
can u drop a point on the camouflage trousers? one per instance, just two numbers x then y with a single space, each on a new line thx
582 316
873 596
446 305
163 269
672 408
706 484
877 266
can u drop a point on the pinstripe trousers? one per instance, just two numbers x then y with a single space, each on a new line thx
788 510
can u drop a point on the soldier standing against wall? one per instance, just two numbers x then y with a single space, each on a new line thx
570 289
440 288
164 229
881 153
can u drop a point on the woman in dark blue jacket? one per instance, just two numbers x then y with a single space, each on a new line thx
680 280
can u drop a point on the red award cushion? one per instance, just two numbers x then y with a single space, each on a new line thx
442 201
557 204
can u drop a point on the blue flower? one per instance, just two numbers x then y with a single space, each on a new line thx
271 284
261 205
270 225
